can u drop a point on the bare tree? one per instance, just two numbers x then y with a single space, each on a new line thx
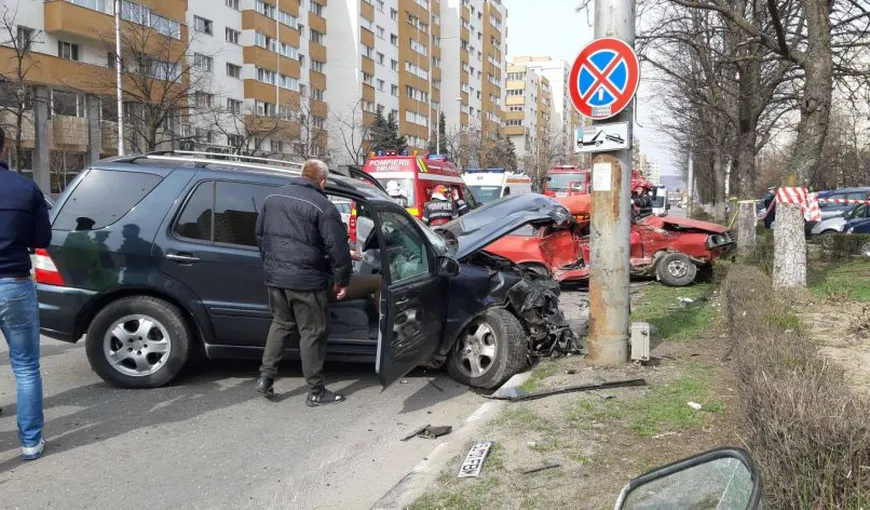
16 93
311 140
164 87
244 130
352 134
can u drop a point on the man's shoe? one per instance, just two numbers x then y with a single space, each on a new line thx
264 386
322 398
33 452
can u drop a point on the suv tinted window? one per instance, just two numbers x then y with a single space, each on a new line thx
102 197
196 218
236 208
223 212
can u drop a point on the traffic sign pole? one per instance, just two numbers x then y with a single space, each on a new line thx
611 202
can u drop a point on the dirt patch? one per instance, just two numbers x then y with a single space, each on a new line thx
842 329
600 439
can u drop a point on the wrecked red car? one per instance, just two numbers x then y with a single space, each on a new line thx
674 250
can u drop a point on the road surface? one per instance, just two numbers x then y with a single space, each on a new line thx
210 442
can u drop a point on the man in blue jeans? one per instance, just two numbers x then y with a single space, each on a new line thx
23 224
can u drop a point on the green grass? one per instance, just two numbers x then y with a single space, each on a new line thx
849 280
543 370
660 306
664 408
465 494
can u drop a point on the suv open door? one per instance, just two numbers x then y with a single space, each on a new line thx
414 297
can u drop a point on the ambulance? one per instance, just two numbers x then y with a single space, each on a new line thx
490 184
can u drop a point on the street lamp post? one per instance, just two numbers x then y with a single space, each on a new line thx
118 84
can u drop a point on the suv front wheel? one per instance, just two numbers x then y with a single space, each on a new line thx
138 342
490 350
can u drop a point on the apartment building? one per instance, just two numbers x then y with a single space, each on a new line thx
231 74
528 108
564 119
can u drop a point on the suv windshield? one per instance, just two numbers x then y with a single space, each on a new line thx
486 194
560 182
658 201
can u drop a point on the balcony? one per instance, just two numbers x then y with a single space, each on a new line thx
70 133
65 18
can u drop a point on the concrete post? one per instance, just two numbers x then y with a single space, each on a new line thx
94 132
746 222
611 217
41 148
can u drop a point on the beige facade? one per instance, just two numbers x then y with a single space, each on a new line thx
528 109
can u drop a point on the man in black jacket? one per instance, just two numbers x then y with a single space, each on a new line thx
305 258
23 224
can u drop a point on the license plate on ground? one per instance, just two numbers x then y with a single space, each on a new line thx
473 463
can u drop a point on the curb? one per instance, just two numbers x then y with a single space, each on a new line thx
413 484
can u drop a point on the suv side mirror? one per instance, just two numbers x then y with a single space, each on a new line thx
448 266
723 478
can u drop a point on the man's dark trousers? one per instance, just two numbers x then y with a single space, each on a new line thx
301 316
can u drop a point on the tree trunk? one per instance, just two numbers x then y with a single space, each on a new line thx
746 222
790 255
718 212
789 248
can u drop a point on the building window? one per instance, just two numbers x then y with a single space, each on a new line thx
68 51
276 146
419 47
317 65
394 64
366 51
265 9
266 76
264 41
24 38
317 94
288 51
394 39
367 78
381 32
381 58
316 8
302 60
394 90
202 25
288 82
381 84
203 99
265 109
235 141
203 62
394 14
233 4
288 19
232 35
234 71
318 37
234 106
66 103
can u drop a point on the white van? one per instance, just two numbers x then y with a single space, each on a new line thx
661 205
490 184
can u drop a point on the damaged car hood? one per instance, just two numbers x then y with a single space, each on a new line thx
483 226
685 223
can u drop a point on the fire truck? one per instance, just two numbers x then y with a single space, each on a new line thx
567 180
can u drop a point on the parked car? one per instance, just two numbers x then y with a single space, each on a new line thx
344 208
837 224
672 249
154 256
830 209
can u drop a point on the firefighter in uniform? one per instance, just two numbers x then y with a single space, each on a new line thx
461 205
439 209
395 192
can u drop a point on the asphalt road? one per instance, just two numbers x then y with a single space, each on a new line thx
210 442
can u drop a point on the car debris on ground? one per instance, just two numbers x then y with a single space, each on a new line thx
517 395
537 302
429 432
472 465
541 468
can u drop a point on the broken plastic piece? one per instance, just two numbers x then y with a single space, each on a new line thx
429 432
696 406
515 395
541 468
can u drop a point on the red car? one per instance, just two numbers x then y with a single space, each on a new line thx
672 249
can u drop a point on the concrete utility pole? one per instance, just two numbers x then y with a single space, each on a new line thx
611 217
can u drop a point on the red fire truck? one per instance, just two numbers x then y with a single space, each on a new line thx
567 180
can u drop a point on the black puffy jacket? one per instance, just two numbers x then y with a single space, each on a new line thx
302 239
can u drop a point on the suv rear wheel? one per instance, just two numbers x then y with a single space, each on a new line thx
138 342
489 351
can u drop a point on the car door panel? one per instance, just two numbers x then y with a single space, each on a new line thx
414 296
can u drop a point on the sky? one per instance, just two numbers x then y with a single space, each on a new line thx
552 28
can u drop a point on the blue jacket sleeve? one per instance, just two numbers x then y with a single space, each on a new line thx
41 224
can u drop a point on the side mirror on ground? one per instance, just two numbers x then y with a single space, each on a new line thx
725 478
448 266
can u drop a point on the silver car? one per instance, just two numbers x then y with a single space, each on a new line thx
835 224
